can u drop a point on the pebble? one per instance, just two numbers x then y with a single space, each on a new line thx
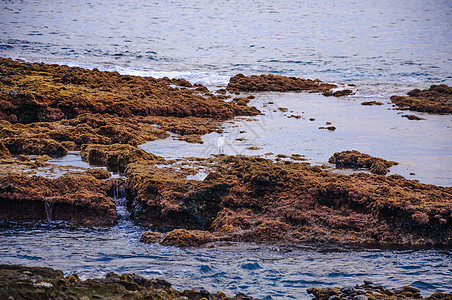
334 297
360 291
347 290
366 282
411 289
360 297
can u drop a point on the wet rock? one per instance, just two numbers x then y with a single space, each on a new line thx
355 159
34 146
99 173
369 103
330 128
187 238
342 93
46 283
276 83
76 106
437 99
370 291
4 152
255 199
412 117
80 199
115 157
151 237
192 138
41 160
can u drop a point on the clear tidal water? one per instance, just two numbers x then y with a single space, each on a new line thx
384 47
264 271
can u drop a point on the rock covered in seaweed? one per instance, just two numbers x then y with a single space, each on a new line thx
355 160
81 199
437 99
115 157
71 106
20 282
4 152
254 199
187 238
276 83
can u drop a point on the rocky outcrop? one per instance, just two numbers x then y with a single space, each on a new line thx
34 146
75 106
187 238
277 83
80 199
372 291
115 157
20 282
254 199
437 99
356 160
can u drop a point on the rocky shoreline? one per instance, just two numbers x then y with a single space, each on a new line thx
48 110
20 282
372 291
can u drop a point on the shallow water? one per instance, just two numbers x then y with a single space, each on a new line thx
376 130
275 272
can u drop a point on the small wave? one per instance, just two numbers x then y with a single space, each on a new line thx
251 266
205 269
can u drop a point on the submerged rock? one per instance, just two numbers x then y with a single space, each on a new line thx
437 99
20 282
355 159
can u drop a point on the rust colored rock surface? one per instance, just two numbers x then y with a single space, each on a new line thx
254 199
115 157
187 238
341 93
80 199
354 159
276 83
151 237
370 103
34 146
42 92
437 99
74 106
4 152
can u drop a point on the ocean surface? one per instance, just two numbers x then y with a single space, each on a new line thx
383 47
264 271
